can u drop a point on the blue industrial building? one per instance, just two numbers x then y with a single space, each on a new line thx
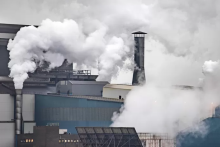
207 136
71 111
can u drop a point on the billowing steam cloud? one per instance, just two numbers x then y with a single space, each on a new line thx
182 35
55 41
168 108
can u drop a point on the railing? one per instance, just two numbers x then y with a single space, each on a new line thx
156 140
65 71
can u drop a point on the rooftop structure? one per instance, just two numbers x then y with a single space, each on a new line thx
81 88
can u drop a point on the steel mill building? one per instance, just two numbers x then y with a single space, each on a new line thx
66 107
63 97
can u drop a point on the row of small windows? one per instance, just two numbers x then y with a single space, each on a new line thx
27 140
67 141
60 141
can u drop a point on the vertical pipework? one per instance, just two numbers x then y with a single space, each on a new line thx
139 73
18 111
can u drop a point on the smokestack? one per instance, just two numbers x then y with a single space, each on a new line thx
139 74
18 111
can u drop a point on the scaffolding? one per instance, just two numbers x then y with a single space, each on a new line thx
156 140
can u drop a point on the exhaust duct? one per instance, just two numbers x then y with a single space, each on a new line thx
18 111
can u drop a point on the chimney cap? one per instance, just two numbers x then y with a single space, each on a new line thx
139 32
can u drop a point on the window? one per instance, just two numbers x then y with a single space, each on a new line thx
62 82
27 140
67 141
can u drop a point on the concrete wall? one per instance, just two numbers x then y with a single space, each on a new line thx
70 112
115 93
7 134
28 107
6 107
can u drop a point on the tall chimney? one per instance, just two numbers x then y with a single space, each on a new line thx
139 74
18 111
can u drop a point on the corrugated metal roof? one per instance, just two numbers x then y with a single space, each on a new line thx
89 82
119 86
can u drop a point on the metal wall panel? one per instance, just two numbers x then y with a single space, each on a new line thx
4 59
6 107
7 134
28 107
77 114
81 89
70 112
91 90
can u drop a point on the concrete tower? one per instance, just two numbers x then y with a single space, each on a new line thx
139 74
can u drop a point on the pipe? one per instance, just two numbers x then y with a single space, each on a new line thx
18 111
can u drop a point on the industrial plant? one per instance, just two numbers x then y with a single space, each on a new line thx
67 107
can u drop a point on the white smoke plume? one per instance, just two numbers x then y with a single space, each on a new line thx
55 41
161 107
182 35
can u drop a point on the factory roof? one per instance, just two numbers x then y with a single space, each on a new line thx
88 82
38 90
11 28
88 97
8 31
119 86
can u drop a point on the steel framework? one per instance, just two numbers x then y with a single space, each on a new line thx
108 137
156 140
